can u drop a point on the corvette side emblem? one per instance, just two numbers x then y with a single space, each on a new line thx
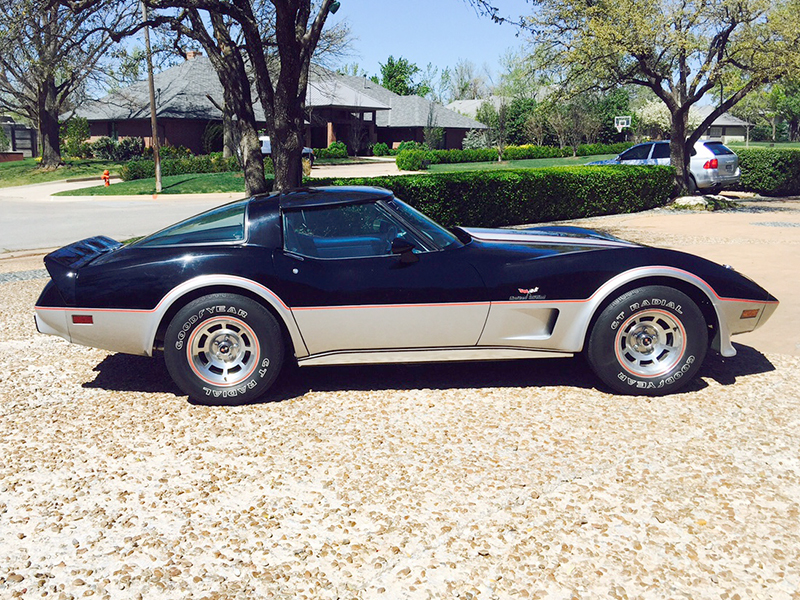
530 291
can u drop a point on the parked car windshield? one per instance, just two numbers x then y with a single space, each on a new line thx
220 225
426 226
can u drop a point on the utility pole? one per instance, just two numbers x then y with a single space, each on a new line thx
153 120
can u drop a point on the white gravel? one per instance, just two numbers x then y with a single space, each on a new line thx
512 480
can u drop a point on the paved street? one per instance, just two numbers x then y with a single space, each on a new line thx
31 218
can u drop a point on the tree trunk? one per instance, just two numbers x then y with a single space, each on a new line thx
230 136
287 128
678 151
48 127
252 159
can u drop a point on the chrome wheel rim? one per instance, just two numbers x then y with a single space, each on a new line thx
650 343
223 351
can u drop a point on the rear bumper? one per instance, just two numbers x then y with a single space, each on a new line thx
123 331
710 178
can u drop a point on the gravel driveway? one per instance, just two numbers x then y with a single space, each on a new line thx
505 480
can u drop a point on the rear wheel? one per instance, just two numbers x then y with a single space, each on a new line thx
223 349
649 341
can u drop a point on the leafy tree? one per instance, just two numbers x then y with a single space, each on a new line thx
47 54
466 83
679 50
496 119
518 78
790 107
655 121
519 110
398 75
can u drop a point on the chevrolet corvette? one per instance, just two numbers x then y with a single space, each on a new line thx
344 275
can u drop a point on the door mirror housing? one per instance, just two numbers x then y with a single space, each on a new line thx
405 249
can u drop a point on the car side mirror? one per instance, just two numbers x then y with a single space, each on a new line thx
405 249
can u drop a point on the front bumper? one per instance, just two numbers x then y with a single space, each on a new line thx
741 316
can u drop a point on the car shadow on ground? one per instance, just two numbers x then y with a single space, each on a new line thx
125 373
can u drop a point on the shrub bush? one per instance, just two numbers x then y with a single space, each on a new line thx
412 160
516 197
335 150
380 149
74 133
125 149
210 163
770 171
409 145
168 152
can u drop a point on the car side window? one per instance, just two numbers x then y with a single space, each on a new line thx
640 152
661 150
344 231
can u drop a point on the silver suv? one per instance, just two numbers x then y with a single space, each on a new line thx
712 164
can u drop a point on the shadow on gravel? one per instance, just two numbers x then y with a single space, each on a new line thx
124 373
748 361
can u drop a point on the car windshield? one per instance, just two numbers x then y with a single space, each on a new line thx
426 226
220 225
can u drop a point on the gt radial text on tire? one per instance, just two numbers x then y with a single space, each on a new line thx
224 349
650 341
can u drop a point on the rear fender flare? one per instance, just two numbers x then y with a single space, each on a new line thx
266 295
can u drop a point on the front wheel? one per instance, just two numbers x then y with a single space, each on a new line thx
223 349
649 341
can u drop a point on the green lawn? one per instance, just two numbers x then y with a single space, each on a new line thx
195 183
536 163
25 172
763 144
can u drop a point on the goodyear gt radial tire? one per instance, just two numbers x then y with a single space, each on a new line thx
223 349
649 341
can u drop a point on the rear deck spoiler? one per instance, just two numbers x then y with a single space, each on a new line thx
63 264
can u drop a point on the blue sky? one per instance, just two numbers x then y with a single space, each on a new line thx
436 31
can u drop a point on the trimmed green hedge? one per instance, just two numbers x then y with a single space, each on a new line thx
210 163
771 171
516 197
413 159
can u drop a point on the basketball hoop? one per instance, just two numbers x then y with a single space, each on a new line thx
621 123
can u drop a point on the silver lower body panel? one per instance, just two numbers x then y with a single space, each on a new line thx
425 355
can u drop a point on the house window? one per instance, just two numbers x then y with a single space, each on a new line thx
715 132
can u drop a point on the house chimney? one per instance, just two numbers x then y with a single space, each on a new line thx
190 54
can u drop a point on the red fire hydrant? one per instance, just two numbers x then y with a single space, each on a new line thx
106 177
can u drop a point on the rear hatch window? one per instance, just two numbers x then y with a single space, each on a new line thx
718 148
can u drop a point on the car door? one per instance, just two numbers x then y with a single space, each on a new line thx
638 155
347 291
660 154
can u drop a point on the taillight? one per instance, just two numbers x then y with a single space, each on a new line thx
711 164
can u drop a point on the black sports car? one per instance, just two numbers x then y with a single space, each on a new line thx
353 275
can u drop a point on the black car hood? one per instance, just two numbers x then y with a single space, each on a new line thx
572 238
